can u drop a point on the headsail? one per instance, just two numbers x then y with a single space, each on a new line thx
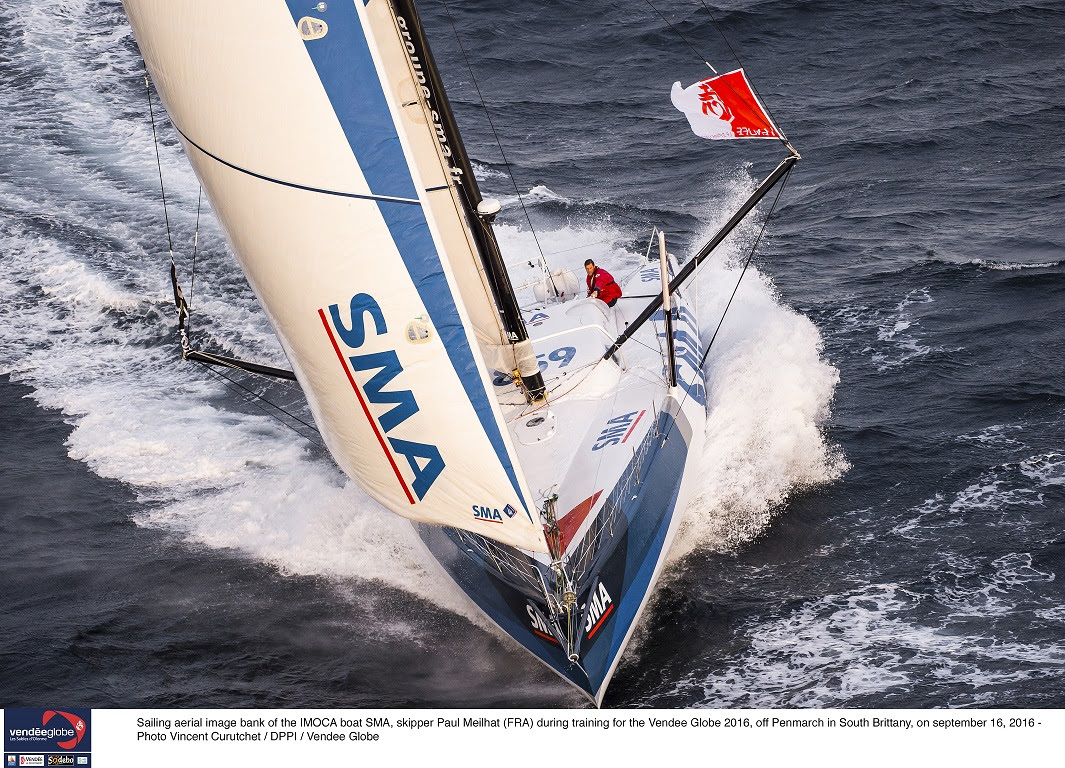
289 118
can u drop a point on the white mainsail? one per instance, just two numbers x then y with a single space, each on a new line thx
293 118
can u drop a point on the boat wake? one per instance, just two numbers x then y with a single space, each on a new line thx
266 492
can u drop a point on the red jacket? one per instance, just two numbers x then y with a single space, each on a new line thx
603 281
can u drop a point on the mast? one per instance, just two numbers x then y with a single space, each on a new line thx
479 216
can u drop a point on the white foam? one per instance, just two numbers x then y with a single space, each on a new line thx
893 330
1048 469
892 337
769 396
992 499
1011 266
997 435
836 648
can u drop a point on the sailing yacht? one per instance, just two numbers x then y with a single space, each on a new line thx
543 450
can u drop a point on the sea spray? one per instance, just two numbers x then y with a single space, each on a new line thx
769 392
769 397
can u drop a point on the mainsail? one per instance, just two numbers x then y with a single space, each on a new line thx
337 201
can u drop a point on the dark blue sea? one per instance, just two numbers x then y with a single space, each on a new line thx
881 516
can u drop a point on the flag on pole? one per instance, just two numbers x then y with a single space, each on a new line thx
724 107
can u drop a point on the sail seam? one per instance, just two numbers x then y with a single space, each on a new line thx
304 187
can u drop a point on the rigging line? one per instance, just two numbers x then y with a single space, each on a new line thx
578 247
682 37
644 344
735 55
195 252
179 298
255 396
746 264
158 164
720 31
338 193
495 133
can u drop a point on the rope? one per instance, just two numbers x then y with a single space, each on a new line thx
746 263
495 134
254 396
720 31
158 164
179 299
682 37
195 251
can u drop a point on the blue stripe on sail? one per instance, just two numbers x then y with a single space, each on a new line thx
346 69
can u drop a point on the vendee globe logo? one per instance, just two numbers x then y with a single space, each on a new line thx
77 723
43 730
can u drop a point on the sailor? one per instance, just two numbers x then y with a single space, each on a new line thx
601 284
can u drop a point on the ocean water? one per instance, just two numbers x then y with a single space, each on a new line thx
882 519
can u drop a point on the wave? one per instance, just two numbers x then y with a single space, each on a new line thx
843 649
770 393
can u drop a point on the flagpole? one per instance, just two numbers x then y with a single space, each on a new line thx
767 184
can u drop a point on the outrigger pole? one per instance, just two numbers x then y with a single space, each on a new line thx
767 184
188 353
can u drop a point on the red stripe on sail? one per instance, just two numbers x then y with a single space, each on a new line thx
365 409
634 425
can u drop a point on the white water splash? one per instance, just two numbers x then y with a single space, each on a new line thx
769 394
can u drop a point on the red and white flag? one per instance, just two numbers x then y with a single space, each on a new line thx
724 107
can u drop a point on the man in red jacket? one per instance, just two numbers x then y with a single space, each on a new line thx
601 284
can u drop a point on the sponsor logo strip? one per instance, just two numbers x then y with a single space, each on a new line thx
365 409
634 425
607 612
